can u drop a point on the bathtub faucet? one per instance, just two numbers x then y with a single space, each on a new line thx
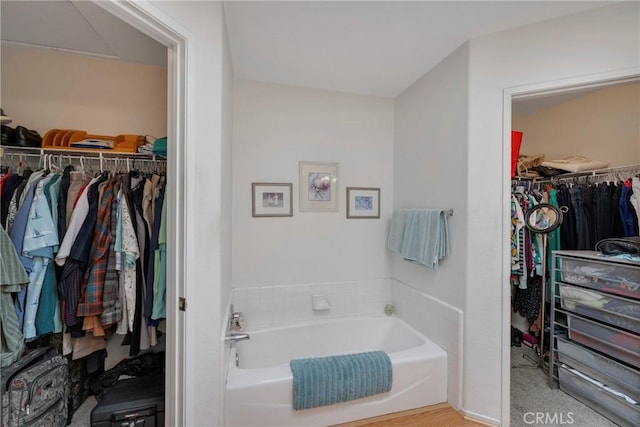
236 337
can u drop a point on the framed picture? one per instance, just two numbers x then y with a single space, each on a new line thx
318 187
271 199
363 202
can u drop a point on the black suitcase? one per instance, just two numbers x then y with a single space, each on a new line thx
35 390
134 402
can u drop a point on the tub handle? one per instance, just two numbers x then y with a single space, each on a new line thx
237 321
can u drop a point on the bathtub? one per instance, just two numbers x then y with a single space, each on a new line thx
259 390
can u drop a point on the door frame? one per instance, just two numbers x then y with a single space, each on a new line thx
180 165
554 87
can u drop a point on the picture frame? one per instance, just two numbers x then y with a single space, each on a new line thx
271 199
363 202
318 187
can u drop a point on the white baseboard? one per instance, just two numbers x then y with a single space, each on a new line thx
482 419
472 416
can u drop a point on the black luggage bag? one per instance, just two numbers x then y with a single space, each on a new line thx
35 390
131 402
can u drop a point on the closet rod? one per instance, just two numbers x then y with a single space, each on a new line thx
596 172
104 162
75 155
79 152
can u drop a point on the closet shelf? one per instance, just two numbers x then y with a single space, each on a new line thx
65 138
635 169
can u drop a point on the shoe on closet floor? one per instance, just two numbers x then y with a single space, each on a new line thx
516 337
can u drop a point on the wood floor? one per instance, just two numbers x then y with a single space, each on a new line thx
441 415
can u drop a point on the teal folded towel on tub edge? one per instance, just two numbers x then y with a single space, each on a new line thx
322 381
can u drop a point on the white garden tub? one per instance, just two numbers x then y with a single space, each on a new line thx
259 390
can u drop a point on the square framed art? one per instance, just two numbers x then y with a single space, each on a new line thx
318 187
271 199
363 202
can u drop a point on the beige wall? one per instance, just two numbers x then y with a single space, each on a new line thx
46 89
602 125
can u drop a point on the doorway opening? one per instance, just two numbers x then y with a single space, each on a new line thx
167 32
522 101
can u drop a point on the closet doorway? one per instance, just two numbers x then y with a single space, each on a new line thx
167 32
174 38
520 102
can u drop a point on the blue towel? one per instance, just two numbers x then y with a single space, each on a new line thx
327 380
420 235
397 228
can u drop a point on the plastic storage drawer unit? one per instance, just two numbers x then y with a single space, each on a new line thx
619 344
619 279
132 402
604 401
606 370
617 311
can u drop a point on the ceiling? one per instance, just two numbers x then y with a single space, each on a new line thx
77 26
367 47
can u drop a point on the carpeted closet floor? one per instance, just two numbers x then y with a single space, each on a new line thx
530 394
82 416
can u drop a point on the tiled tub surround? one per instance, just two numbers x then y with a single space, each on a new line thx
441 323
270 306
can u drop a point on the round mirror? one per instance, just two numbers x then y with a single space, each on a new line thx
543 218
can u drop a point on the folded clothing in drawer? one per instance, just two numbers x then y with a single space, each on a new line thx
618 279
608 371
619 344
614 405
617 311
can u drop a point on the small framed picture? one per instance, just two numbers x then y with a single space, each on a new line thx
363 202
318 187
271 199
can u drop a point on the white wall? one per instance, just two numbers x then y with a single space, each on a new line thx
587 126
46 89
601 41
430 146
277 126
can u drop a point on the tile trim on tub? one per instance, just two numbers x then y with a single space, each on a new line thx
269 306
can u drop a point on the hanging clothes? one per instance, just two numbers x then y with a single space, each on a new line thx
160 276
12 278
128 247
40 243
111 311
84 249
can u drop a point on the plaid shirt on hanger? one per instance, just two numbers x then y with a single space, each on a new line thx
94 280
112 310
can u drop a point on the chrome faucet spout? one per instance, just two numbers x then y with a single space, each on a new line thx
236 337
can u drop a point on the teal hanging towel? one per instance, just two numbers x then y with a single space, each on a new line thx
420 236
